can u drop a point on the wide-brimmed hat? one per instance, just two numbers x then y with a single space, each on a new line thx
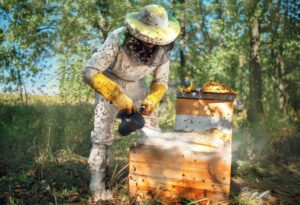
153 25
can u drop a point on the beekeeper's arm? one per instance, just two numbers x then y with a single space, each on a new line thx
158 88
92 74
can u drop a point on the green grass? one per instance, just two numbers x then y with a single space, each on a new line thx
45 145
43 157
44 153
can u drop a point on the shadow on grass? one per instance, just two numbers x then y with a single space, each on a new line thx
44 150
272 176
32 137
42 184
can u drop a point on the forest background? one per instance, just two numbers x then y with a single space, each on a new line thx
46 111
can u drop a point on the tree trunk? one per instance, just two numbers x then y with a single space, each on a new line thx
255 110
220 7
280 63
181 68
20 85
103 24
241 77
25 94
281 74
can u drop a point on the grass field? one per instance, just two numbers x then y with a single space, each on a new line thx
45 145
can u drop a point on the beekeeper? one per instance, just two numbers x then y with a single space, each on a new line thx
116 72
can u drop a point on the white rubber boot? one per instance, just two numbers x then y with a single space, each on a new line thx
98 161
98 188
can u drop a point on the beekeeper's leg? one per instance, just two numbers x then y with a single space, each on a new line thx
102 138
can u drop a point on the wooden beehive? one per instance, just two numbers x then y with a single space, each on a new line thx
192 163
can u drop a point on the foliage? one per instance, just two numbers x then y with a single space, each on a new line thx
44 136
166 112
27 39
214 43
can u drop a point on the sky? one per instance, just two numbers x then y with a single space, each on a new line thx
46 83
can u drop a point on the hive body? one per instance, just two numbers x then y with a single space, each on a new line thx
193 163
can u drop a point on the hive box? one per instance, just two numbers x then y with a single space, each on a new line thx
193 163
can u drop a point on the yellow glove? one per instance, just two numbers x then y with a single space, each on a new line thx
112 92
157 91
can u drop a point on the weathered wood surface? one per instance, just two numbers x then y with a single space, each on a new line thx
198 115
199 107
177 159
177 173
194 163
198 175
168 183
172 194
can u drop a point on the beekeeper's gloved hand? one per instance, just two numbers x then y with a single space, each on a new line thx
157 91
112 92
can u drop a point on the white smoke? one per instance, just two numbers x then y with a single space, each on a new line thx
197 144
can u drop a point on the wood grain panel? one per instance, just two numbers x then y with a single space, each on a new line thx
175 195
198 107
167 183
211 175
176 159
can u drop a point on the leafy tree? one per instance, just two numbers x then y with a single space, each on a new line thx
251 45
27 38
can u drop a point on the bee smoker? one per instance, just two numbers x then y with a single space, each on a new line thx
130 123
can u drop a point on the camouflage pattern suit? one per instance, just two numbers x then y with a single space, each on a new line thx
115 62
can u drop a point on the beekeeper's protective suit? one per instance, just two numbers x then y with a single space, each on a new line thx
116 72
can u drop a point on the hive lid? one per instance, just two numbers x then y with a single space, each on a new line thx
208 96
211 91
